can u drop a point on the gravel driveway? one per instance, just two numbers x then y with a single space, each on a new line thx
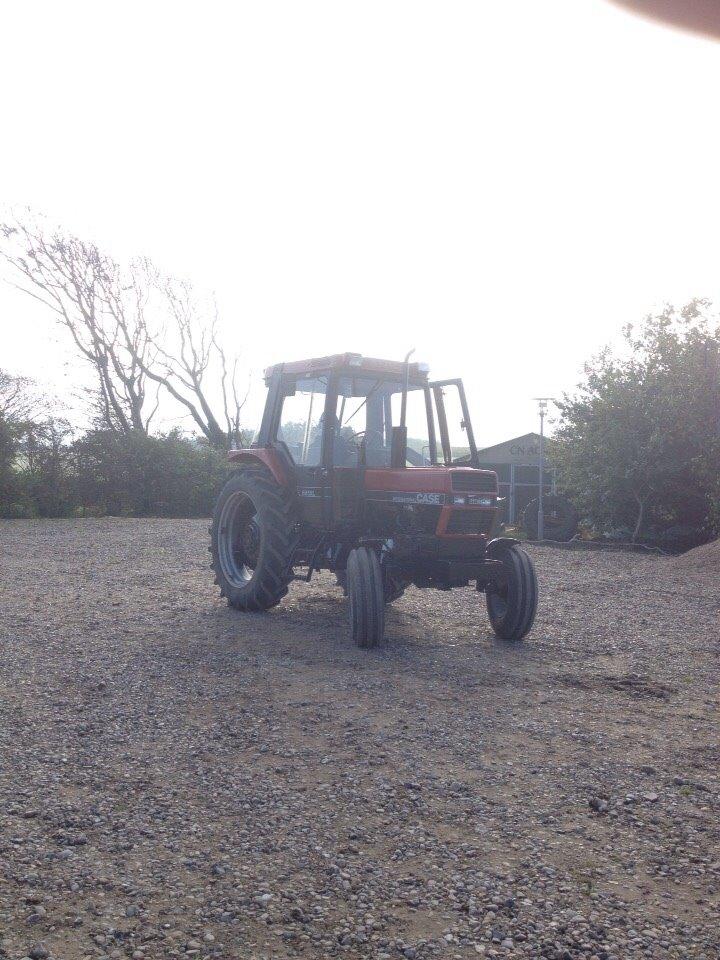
180 780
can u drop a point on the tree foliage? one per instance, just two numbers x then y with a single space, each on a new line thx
639 443
103 473
160 476
48 471
21 410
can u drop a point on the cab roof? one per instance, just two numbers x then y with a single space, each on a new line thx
352 363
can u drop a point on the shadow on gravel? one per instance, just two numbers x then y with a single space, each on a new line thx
632 684
310 635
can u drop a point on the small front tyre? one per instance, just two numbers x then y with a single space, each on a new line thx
512 597
364 584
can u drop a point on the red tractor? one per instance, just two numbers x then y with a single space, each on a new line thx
366 468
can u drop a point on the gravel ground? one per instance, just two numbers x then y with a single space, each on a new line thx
180 780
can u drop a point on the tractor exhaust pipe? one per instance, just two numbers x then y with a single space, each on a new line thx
399 434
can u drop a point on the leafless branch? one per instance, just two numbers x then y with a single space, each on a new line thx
132 326
77 282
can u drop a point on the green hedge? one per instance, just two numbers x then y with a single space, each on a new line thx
105 474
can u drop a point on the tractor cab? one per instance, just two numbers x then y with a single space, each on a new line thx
348 411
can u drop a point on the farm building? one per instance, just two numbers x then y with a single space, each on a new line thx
516 463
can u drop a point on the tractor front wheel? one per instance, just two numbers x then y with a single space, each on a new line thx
252 539
512 596
364 584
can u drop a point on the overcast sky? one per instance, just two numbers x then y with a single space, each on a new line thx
500 185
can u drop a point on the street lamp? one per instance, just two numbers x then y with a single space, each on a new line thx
542 403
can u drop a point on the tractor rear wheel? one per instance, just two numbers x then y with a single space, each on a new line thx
252 539
367 597
512 597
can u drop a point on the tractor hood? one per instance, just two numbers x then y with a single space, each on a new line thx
429 480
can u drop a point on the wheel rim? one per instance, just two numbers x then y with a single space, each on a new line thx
498 599
239 539
498 594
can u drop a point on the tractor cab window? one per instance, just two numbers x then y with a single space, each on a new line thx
361 427
367 411
416 420
302 420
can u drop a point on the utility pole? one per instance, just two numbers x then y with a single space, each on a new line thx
542 403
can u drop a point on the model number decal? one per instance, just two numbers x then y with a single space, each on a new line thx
436 498
432 499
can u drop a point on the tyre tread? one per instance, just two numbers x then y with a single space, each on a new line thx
522 600
270 584
366 597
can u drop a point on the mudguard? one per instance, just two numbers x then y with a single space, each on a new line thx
268 457
491 551
498 543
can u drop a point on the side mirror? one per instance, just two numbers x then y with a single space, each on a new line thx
398 449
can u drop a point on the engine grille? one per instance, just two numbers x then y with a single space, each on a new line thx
469 522
475 482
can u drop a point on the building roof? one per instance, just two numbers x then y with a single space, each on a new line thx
518 450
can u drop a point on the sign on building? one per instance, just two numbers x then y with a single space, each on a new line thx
516 463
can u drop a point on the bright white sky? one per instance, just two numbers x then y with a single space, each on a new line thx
500 185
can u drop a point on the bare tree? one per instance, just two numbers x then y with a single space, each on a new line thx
189 351
232 404
135 327
181 330
73 279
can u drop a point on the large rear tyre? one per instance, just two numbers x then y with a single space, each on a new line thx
560 518
366 596
512 597
252 539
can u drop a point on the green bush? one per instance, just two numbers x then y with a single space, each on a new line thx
104 473
638 448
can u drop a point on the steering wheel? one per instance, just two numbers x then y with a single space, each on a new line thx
359 441
365 434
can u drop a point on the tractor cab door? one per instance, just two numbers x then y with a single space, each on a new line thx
302 427
457 441
347 447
